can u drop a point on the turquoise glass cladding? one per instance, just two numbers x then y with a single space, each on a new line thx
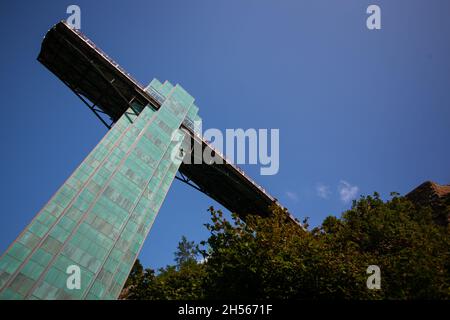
100 217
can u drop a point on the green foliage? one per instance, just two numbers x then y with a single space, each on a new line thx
272 257
187 252
181 281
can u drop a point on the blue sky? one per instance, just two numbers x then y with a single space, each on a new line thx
358 111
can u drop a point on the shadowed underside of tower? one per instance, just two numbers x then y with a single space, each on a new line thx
99 218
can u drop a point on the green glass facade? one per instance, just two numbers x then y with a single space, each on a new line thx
100 217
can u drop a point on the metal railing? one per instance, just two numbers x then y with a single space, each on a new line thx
104 55
155 94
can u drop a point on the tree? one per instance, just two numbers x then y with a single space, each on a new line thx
271 257
187 252
181 281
